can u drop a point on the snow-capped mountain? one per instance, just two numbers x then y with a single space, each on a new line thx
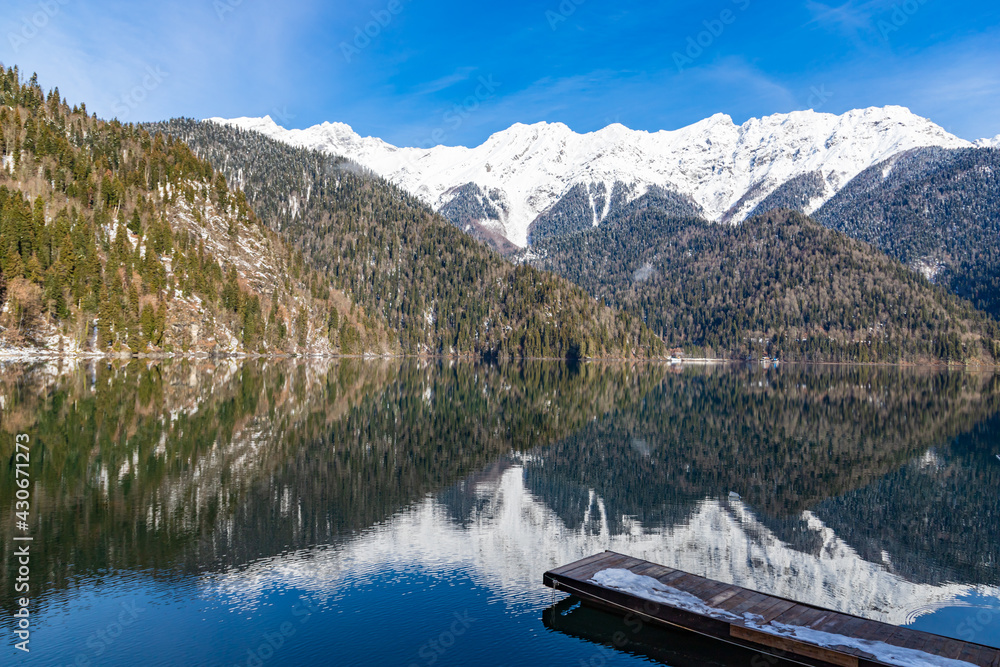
989 143
720 169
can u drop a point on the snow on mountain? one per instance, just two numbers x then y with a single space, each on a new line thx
989 143
725 168
513 536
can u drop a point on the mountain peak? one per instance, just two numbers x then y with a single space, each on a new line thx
989 143
541 127
726 169
720 117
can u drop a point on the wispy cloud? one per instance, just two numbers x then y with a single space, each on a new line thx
855 20
956 84
850 16
589 101
459 75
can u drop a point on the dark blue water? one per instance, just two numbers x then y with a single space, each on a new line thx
403 514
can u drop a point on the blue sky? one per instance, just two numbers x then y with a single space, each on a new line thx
403 69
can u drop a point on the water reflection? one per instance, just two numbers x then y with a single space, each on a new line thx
184 468
861 489
609 632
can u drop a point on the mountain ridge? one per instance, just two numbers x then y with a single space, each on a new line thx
725 168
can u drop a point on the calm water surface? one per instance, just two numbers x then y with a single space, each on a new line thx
399 513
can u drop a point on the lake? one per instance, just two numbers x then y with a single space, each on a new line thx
396 512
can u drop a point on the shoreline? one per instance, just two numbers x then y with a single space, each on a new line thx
22 355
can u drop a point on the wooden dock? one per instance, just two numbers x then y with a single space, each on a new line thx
774 626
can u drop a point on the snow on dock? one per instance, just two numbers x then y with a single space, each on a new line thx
771 625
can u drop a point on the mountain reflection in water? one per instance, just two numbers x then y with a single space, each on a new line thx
867 490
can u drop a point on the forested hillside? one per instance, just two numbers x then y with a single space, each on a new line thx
355 441
936 210
112 239
778 285
583 207
440 289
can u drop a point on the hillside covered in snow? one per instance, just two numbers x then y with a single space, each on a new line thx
527 175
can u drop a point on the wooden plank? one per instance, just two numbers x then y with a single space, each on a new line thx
710 592
824 617
587 570
934 645
848 625
690 582
792 616
868 630
663 570
879 632
684 583
899 636
657 571
702 587
765 608
776 610
673 576
808 616
984 657
741 596
969 654
916 641
951 648
630 562
723 596
584 565
793 646
575 564
643 569
980 656
835 621
750 602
